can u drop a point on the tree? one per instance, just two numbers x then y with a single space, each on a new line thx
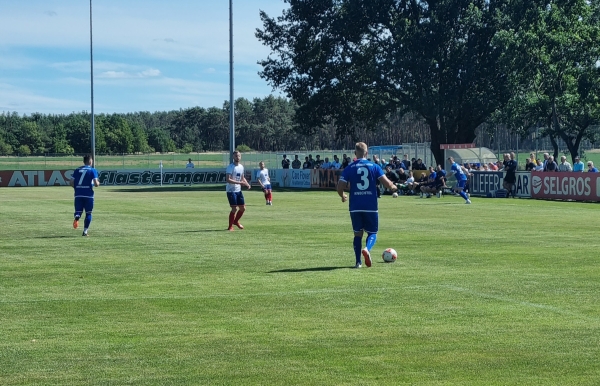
355 62
559 87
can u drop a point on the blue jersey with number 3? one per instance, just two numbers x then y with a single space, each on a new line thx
83 181
362 175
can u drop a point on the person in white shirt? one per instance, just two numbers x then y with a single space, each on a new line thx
262 176
235 180
190 164
564 166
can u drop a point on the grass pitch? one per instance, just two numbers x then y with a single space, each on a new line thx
500 292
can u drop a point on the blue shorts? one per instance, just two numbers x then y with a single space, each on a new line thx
461 183
267 187
367 221
236 198
82 203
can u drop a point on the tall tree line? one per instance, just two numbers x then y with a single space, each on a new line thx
263 124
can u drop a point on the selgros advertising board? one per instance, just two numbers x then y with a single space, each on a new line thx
482 183
566 186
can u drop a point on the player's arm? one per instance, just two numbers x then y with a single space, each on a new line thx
245 183
341 186
388 183
96 182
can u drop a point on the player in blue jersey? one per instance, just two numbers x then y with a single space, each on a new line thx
83 180
360 178
461 174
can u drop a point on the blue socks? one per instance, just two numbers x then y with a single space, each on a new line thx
464 195
371 240
88 220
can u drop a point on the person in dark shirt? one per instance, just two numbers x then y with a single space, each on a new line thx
550 165
306 164
529 166
510 168
285 162
296 164
420 165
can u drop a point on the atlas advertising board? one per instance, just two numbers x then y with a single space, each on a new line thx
566 186
20 178
482 183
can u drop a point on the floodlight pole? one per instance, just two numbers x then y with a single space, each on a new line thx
93 139
231 98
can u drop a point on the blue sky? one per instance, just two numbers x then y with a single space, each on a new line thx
150 55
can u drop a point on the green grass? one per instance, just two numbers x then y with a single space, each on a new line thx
501 292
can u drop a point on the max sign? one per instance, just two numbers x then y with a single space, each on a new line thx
566 186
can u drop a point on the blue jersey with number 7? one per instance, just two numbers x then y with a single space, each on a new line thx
362 175
83 181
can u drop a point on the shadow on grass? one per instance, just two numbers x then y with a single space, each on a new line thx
315 269
199 188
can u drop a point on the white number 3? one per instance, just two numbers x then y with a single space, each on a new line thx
364 177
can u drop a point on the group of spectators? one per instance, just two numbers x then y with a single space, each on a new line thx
548 164
315 163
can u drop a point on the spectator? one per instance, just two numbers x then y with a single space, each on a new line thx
406 162
402 176
190 165
311 160
377 161
326 164
529 165
318 164
540 166
420 165
551 166
307 164
429 187
345 162
532 158
336 162
413 163
408 186
493 167
546 156
510 167
391 174
591 167
578 166
564 166
296 164
285 162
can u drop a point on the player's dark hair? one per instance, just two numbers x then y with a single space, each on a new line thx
87 158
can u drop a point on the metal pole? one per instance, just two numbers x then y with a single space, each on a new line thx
93 139
231 98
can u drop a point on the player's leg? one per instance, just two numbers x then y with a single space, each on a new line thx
371 226
460 189
78 203
233 206
241 209
270 196
358 234
89 207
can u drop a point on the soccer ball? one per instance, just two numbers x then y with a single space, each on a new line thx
389 255
394 194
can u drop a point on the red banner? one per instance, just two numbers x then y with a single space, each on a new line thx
17 178
566 186
449 146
